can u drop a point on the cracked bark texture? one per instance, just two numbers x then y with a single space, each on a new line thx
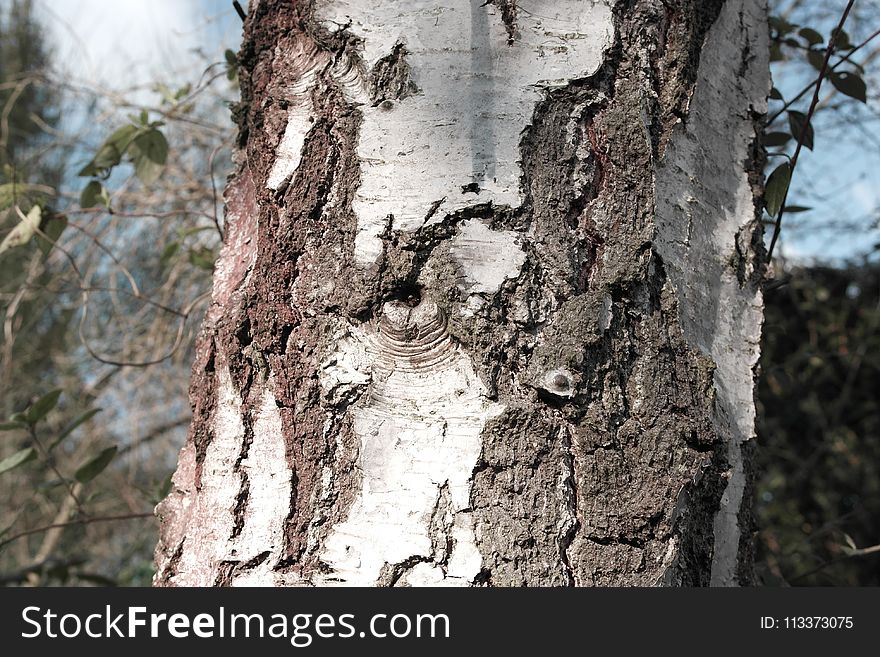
488 307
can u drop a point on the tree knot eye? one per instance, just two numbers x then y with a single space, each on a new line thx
559 382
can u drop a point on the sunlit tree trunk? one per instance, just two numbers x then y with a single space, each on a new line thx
488 308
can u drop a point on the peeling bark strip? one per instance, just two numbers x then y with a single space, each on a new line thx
488 308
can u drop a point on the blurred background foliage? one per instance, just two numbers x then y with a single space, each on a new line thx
100 302
818 488
819 428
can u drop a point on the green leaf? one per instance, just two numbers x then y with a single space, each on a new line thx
149 152
781 25
816 59
17 459
194 230
82 417
22 194
776 138
776 53
144 117
165 91
776 188
12 426
850 84
23 231
118 142
231 65
169 252
94 194
111 151
203 258
797 208
775 94
182 92
147 170
88 197
52 230
42 406
841 40
93 468
153 145
797 121
811 36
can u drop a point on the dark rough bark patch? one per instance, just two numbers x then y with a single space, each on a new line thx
693 523
166 575
228 570
391 78
751 269
565 183
440 528
244 490
508 16
274 329
224 573
745 567
202 406
392 573
640 412
520 469
678 59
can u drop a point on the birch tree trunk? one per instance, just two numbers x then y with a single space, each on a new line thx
488 308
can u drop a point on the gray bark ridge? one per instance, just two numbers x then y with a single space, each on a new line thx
522 357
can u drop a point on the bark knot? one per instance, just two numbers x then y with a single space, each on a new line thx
413 338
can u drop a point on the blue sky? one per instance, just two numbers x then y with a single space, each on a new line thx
839 179
125 43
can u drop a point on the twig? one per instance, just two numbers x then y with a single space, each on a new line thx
48 458
861 552
78 521
152 435
214 192
178 339
800 142
51 538
239 11
843 60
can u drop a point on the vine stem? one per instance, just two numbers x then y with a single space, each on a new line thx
47 457
800 142
78 521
